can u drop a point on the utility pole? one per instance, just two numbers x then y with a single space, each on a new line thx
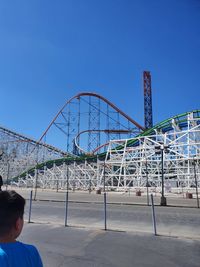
159 150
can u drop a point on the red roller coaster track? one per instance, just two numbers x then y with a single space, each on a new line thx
98 96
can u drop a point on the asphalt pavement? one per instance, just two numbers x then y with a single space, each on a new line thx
170 221
84 242
61 246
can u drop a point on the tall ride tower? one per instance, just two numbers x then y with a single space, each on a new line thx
148 117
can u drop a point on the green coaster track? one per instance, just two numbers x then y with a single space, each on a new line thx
180 120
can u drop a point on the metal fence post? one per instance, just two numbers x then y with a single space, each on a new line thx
30 206
66 208
153 215
105 212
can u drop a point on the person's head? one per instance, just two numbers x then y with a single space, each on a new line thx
11 213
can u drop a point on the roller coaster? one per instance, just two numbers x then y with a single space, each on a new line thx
97 145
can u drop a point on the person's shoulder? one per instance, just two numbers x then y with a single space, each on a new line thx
26 254
29 247
32 251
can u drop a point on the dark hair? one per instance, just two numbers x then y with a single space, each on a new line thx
11 208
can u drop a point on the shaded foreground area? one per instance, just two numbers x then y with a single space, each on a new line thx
69 246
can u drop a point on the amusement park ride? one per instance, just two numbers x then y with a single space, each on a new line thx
101 145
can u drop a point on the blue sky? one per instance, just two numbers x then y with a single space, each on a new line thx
52 50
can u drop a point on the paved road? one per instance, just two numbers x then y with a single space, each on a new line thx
72 247
83 243
171 221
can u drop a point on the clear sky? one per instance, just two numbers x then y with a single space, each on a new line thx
52 50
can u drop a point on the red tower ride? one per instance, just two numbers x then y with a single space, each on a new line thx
148 117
